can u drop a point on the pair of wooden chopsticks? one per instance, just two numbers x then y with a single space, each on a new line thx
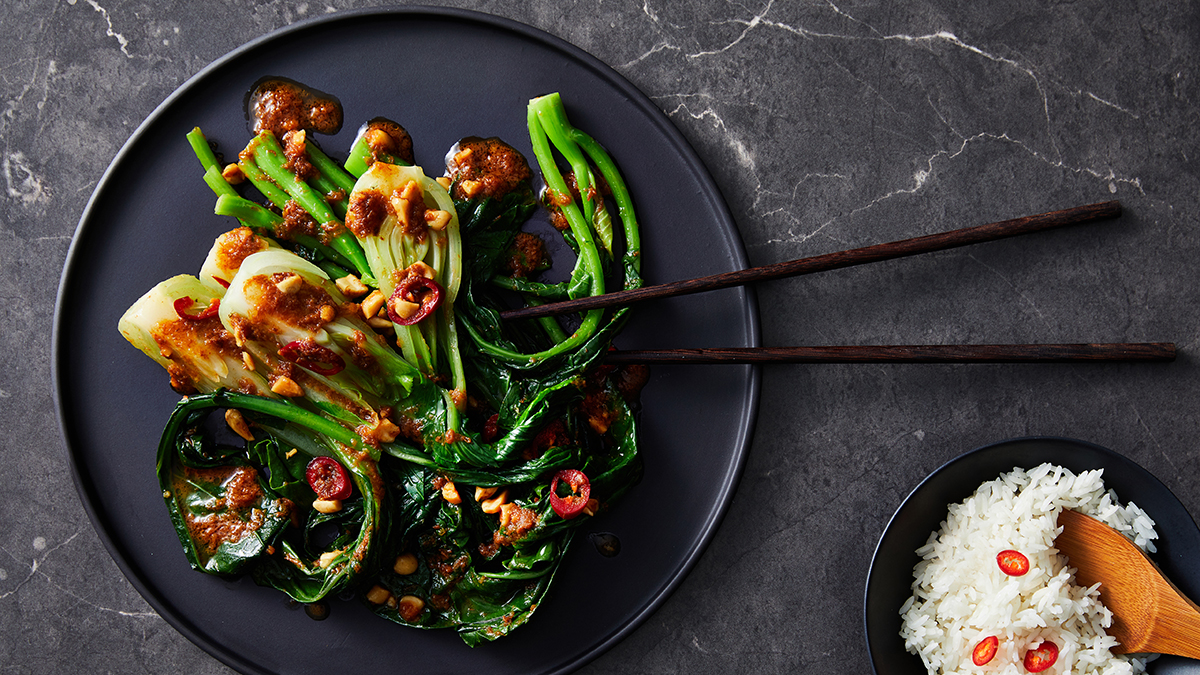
1045 353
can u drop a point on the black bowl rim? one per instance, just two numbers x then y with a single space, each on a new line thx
1179 515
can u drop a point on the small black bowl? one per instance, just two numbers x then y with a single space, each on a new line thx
889 582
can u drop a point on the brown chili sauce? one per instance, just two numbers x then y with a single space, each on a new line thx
280 105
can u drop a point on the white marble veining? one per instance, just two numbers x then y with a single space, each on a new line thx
827 125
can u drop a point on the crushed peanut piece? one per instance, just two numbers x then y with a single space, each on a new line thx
291 453
378 595
290 284
351 286
327 558
240 426
327 506
387 431
410 191
493 505
592 507
248 361
286 386
409 607
437 220
166 494
470 188
482 493
406 564
379 323
403 308
421 269
373 303
444 181
450 493
232 173
328 313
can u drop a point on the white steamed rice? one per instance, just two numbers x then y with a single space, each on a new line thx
960 596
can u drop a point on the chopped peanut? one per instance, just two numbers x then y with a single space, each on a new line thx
378 140
351 286
470 188
286 386
592 507
238 423
406 564
290 284
403 308
410 607
327 558
166 494
232 173
437 220
421 269
386 431
410 191
400 205
506 513
291 453
462 155
493 505
328 312
378 595
373 303
450 493
327 506
248 361
482 493
444 181
379 323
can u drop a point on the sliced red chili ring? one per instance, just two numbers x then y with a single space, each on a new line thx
491 429
308 354
328 479
1041 657
182 305
985 651
1012 563
415 289
219 280
573 504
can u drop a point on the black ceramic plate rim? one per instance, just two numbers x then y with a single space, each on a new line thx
876 564
721 499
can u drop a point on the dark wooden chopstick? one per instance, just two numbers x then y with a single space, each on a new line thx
831 261
1037 353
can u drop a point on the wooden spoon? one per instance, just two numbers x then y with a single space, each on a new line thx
1149 613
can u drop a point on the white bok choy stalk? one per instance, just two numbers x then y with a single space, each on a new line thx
407 225
174 325
291 317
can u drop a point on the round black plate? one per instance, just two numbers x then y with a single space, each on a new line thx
890 580
443 74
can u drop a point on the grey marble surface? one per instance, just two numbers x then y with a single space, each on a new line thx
827 125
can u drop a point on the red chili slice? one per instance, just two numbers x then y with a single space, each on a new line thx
985 650
219 280
416 289
1012 563
571 505
328 479
182 305
1041 657
491 429
308 354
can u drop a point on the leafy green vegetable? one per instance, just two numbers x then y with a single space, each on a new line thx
451 445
